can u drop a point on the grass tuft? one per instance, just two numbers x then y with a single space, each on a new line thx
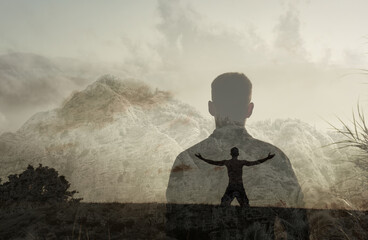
356 136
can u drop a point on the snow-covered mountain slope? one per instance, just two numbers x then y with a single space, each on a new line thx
114 141
325 172
117 140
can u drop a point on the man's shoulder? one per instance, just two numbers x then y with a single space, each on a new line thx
220 148
265 146
204 145
187 156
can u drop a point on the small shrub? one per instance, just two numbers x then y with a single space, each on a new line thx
42 184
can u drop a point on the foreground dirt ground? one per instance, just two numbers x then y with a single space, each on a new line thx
159 221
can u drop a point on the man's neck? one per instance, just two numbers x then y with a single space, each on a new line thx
220 123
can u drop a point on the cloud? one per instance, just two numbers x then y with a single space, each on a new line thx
182 50
287 30
355 58
28 79
196 49
30 83
189 35
3 123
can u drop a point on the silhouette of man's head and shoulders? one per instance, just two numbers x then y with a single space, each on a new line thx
194 181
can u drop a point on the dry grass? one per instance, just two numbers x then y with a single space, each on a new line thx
148 221
356 136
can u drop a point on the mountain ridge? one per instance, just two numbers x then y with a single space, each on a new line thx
117 140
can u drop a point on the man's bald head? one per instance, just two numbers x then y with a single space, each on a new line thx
231 96
231 87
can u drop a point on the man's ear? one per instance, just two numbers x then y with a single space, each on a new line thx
211 108
250 109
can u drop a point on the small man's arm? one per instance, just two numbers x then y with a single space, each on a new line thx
218 163
252 163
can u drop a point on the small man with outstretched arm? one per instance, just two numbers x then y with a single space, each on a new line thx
235 173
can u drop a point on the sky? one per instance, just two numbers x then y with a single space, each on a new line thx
303 57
